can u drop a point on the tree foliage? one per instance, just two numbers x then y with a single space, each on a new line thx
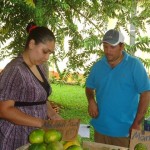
83 21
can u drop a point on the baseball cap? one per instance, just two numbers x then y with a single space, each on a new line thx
113 37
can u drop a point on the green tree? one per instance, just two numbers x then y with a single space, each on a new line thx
83 21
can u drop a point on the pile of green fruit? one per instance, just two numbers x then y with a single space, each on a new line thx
52 140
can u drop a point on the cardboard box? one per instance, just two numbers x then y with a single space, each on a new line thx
142 137
99 146
69 128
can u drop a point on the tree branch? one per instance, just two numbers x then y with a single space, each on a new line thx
85 17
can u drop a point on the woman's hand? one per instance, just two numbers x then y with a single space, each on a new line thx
52 114
56 117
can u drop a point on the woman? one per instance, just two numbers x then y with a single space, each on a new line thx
24 89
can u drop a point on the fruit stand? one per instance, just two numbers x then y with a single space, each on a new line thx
62 140
67 135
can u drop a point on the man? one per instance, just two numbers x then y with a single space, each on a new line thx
118 92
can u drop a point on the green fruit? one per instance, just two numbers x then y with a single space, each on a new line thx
55 146
52 135
37 146
140 146
36 136
74 147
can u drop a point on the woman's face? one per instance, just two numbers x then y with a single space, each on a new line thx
39 53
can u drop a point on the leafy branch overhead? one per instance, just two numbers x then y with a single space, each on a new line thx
83 22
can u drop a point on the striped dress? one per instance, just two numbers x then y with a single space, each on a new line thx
18 83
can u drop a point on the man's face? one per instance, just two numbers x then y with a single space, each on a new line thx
112 53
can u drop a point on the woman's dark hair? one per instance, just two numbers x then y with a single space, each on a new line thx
38 33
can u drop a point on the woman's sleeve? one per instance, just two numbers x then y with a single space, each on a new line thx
10 84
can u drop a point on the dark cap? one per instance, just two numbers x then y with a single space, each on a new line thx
113 37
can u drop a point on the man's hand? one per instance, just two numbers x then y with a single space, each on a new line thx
135 126
93 109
